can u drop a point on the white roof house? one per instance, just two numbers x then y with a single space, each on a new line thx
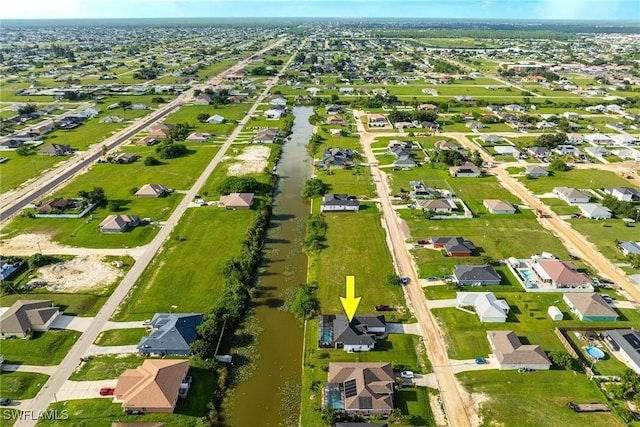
488 308
594 211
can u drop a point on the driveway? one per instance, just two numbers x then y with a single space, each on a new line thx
18 404
403 328
442 303
72 322
123 325
458 366
71 390
427 380
622 304
95 350
47 370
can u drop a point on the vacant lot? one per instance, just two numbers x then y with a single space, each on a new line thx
19 169
105 367
536 399
577 178
187 273
355 246
45 348
605 234
121 336
21 385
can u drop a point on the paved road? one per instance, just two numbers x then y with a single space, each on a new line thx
47 394
459 413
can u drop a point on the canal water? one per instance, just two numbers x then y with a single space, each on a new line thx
270 396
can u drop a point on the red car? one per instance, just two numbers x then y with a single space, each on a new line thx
107 391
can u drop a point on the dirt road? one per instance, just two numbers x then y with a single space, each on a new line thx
459 412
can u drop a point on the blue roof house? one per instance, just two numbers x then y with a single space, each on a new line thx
171 334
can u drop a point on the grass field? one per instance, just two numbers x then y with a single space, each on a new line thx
536 399
189 114
21 385
187 272
355 246
19 169
45 348
121 336
105 367
605 234
402 351
577 178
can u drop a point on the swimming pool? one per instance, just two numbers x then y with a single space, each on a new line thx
594 352
528 277
326 335
334 399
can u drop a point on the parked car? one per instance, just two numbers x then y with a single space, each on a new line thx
423 242
432 278
107 391
405 280
382 308
406 374
607 298
481 361
5 401
133 412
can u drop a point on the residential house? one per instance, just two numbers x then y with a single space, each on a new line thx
507 150
146 141
42 128
629 248
623 194
594 211
571 195
358 389
454 246
358 335
377 120
198 137
278 100
27 316
339 203
438 205
539 152
235 201
444 144
56 150
560 274
273 114
336 157
216 119
125 158
112 119
597 152
333 108
626 153
202 99
567 150
268 135
153 386
466 170
118 223
152 190
536 171
53 205
510 353
499 206
626 343
492 139
171 334
480 275
488 308
465 98
570 116
598 138
575 138
335 120
590 307
346 91
160 131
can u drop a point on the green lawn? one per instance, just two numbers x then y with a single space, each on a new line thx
89 133
355 181
577 178
44 348
189 114
121 336
402 351
355 246
106 367
536 399
605 234
187 273
21 385
103 412
18 169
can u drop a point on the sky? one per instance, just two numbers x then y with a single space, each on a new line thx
617 10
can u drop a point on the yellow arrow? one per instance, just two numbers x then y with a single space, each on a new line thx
350 302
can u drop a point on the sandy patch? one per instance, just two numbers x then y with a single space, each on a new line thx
253 160
78 274
30 243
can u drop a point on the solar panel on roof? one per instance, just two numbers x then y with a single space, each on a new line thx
350 388
633 340
366 402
